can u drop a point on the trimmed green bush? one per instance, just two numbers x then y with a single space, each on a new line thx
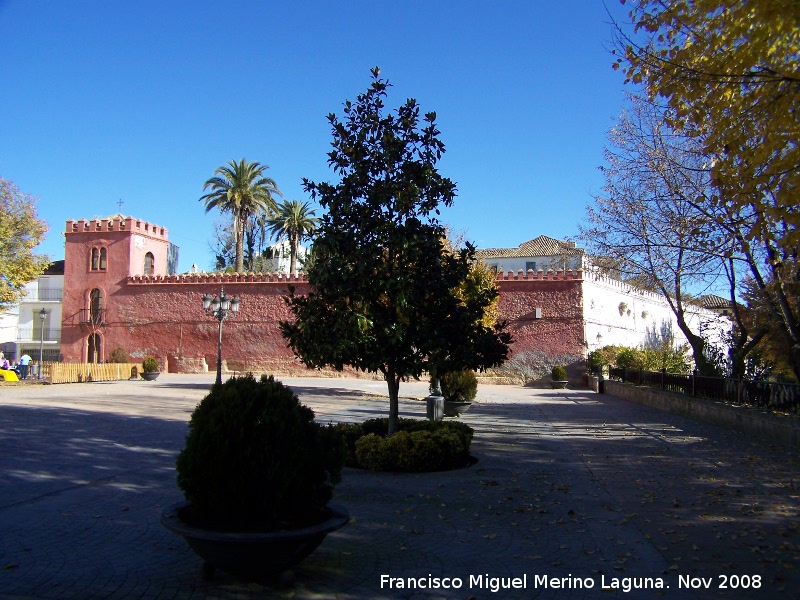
459 386
255 460
630 358
418 446
559 373
374 453
118 355
150 365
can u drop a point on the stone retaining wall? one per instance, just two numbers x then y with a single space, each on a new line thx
783 429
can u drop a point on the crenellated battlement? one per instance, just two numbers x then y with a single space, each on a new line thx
623 287
117 223
222 278
539 275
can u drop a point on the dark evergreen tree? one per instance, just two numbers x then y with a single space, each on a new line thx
384 283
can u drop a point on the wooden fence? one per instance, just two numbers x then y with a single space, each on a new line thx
84 372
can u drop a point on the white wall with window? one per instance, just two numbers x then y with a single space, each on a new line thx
281 253
616 313
22 327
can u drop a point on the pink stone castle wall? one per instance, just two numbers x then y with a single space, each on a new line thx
161 315
560 329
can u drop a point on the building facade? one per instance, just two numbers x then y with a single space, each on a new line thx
612 312
33 326
539 254
121 292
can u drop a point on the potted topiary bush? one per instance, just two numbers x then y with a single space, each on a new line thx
559 377
150 368
459 389
258 473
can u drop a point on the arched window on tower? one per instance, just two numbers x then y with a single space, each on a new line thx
149 262
99 259
96 307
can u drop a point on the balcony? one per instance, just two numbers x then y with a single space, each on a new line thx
28 334
44 295
93 316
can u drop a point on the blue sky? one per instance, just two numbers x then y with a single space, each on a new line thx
141 102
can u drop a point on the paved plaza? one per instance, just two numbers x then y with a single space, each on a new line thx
573 492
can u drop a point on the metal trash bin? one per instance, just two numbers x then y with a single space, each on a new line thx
435 407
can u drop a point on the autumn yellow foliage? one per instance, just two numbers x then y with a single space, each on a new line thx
729 74
729 71
20 232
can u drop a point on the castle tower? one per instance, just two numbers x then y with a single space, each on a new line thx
99 256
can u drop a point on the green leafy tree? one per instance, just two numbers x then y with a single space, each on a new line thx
727 70
243 190
383 281
20 231
294 221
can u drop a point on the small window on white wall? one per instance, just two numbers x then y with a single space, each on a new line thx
149 262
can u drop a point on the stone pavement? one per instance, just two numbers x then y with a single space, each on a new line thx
572 491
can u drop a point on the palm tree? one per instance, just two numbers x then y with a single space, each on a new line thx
294 222
243 190
255 237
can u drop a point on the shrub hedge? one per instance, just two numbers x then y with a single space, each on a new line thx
418 446
255 459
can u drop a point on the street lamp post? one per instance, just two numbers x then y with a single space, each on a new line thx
42 316
220 307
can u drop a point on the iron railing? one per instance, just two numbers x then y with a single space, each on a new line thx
27 334
771 395
45 295
93 316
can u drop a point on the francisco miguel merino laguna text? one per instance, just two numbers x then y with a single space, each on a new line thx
495 584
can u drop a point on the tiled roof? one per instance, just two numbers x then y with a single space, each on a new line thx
712 301
55 268
540 246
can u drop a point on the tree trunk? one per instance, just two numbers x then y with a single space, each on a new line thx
776 299
394 404
696 342
239 227
293 260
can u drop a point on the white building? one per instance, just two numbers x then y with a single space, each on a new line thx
281 254
614 312
539 254
22 328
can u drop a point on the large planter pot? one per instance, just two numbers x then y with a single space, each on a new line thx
455 409
252 555
150 375
559 385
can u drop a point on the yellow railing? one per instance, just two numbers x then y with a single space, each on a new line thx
83 372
